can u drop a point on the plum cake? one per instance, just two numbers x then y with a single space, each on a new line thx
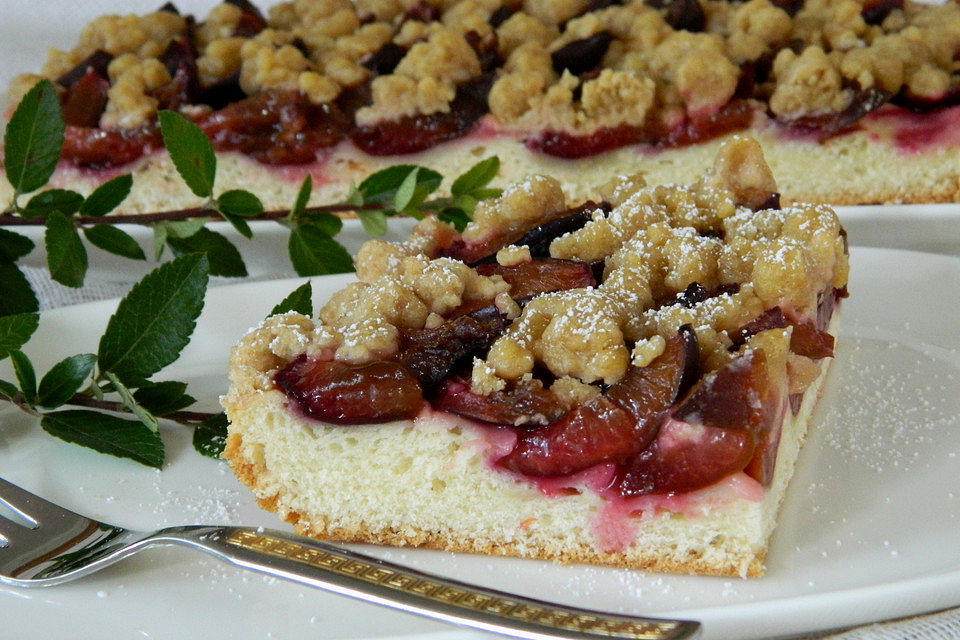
853 101
625 381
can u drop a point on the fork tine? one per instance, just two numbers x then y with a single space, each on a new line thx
31 507
10 532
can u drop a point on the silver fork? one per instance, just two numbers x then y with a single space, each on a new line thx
55 545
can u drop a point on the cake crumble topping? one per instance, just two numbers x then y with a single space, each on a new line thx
666 256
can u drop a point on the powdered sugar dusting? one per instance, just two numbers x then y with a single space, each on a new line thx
200 504
895 401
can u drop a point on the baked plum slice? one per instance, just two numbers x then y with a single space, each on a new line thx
430 354
343 393
85 101
830 123
412 134
805 340
521 404
611 427
276 127
98 61
251 20
529 279
876 11
583 55
537 238
102 148
714 432
571 146
381 391
541 276
733 116
682 15
180 60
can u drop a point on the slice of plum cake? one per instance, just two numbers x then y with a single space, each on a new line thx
625 382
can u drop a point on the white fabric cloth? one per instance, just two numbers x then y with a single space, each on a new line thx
944 625
53 294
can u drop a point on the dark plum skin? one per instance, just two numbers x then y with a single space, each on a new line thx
581 56
85 101
877 11
345 394
686 15
537 239
611 427
431 354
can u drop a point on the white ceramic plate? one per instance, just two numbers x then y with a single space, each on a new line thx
868 530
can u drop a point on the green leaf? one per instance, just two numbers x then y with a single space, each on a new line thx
64 379
160 234
303 197
183 228
457 217
374 222
8 389
154 321
16 296
26 376
326 222
46 202
107 196
115 241
13 246
466 203
477 176
486 194
224 258
106 434
313 253
238 202
239 224
404 195
66 255
191 152
210 436
164 397
354 197
33 139
299 300
15 331
126 397
382 186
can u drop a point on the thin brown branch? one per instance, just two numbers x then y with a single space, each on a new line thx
12 220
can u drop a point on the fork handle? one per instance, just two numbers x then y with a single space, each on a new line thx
344 572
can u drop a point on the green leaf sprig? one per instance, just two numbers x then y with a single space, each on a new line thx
149 329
